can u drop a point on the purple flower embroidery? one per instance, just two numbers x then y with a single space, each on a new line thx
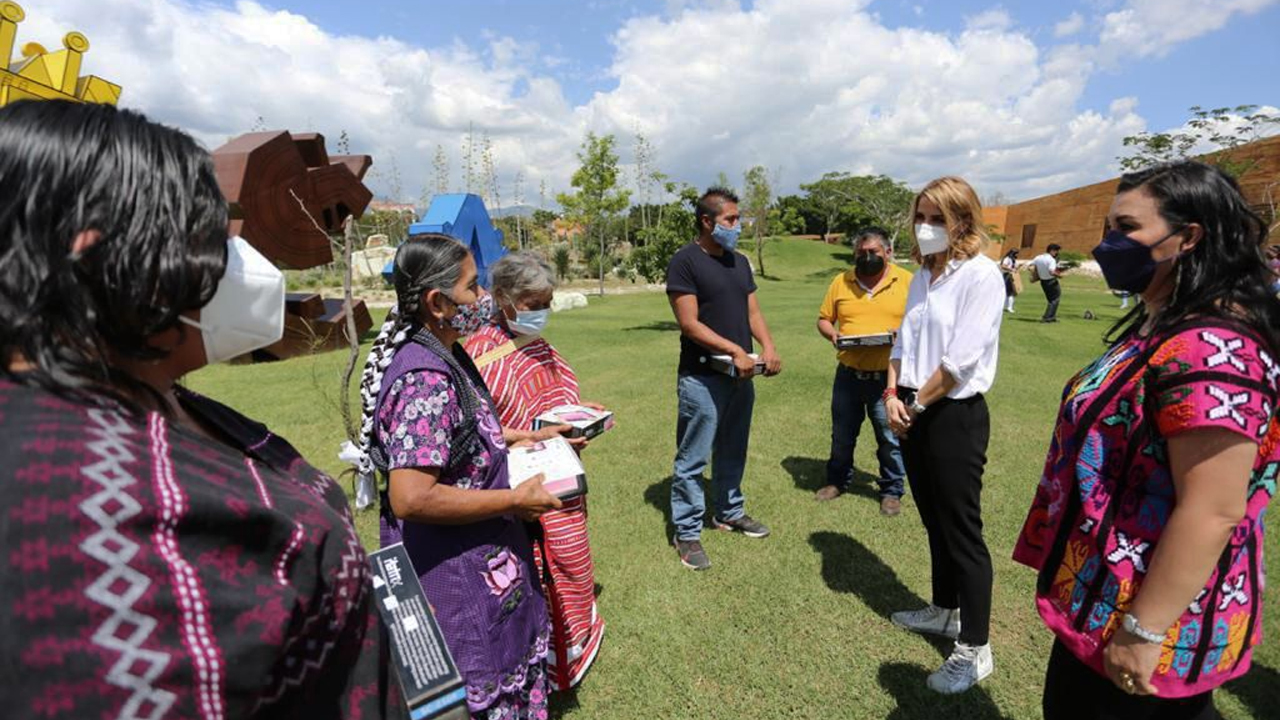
503 572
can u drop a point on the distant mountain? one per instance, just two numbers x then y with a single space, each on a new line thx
524 211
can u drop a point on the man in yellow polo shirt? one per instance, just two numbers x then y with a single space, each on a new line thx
867 299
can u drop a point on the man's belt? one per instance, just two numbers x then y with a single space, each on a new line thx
867 374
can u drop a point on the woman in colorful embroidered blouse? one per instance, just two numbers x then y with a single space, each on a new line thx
429 422
527 378
1146 528
166 556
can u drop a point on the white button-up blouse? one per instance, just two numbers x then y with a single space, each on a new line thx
953 324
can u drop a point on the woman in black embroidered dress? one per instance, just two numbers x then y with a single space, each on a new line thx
166 556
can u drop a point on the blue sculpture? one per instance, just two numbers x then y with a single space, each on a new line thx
462 216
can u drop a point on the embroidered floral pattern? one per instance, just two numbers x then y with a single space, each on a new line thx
415 428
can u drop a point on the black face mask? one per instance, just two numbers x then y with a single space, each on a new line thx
868 265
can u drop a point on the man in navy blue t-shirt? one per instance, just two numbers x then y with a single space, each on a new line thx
714 299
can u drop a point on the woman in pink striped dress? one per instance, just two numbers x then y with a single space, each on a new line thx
527 377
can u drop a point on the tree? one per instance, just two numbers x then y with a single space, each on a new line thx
518 184
1222 129
885 202
668 233
995 199
722 181
469 159
757 196
560 256
852 201
441 165
827 197
598 198
489 175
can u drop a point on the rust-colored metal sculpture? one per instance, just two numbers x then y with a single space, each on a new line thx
287 196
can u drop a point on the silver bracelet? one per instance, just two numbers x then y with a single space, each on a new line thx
1131 626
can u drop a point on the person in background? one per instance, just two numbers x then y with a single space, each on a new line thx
168 556
942 364
1146 528
428 422
868 298
713 297
1009 268
528 377
1124 299
1045 266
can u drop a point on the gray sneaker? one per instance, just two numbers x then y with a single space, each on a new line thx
930 619
746 525
692 555
966 667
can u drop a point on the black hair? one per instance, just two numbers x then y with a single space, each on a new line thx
151 193
1225 274
425 261
869 232
710 202
1052 246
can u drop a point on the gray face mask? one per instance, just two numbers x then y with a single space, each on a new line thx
247 310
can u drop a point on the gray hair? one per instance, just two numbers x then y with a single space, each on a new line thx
873 233
518 274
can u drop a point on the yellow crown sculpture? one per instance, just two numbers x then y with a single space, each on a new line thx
42 75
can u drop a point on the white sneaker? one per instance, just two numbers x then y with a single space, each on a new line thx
930 619
967 665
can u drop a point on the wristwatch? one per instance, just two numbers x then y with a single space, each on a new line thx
917 408
1131 626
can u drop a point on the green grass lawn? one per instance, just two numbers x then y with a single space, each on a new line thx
795 625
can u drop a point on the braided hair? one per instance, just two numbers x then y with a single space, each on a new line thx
428 261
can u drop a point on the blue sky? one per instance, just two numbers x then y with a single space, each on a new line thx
1023 98
1223 68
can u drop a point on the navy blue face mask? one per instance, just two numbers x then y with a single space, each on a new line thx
1126 263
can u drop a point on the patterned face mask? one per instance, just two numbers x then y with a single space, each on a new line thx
472 317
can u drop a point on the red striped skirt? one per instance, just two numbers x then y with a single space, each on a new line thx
576 625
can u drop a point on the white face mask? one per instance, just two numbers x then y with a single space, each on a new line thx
247 310
931 239
530 322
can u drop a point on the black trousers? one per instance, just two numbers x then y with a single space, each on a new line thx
1053 294
945 452
1075 691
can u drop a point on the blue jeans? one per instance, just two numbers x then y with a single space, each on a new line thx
713 422
853 398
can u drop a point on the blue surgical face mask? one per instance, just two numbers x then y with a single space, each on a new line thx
726 238
530 322
1127 264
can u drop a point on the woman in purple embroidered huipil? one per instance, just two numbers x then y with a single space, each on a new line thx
165 556
429 423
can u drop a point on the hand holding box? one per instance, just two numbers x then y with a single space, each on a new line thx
584 422
556 460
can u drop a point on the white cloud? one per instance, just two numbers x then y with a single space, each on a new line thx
801 90
213 71
1153 27
996 19
1073 24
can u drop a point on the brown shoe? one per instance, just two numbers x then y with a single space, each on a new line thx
828 492
890 505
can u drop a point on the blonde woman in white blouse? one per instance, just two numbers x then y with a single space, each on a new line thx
943 362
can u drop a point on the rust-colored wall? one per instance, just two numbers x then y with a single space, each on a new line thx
1075 219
